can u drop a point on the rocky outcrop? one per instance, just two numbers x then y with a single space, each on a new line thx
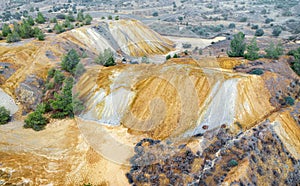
30 92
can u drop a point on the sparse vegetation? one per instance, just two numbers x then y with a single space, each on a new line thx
295 64
4 115
274 51
259 32
257 71
276 31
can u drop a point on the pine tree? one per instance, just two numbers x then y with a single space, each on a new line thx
25 30
30 21
237 45
62 104
70 61
40 18
80 16
252 50
36 120
88 19
5 30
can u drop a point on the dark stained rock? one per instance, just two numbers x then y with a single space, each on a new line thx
30 92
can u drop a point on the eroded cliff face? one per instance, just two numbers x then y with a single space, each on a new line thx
173 99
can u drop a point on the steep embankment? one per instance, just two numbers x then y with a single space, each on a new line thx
173 99
126 37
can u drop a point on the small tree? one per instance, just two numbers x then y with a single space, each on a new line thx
237 45
30 21
13 37
252 50
36 120
5 30
168 57
259 32
65 105
88 19
175 56
276 31
4 115
80 16
38 33
58 28
106 58
40 18
70 61
274 51
70 17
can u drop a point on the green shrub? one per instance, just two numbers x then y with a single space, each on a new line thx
64 104
80 16
5 30
79 70
30 21
232 163
58 28
168 57
70 61
268 20
289 100
109 17
175 56
4 115
252 50
274 51
36 120
256 71
51 73
106 58
53 20
276 31
237 45
155 14
40 18
295 65
254 27
243 19
88 19
259 32
231 26
59 77
13 37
